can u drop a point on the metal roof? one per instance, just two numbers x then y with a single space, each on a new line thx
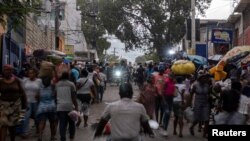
234 18
242 6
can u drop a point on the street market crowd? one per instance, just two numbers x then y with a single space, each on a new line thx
63 95
195 98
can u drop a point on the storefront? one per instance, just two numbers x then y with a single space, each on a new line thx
222 40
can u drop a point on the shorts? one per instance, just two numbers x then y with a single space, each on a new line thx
51 116
84 103
178 110
84 98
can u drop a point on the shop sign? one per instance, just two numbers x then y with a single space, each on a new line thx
222 36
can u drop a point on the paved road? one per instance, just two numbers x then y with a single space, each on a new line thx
111 94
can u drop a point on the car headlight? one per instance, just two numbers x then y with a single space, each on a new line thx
118 73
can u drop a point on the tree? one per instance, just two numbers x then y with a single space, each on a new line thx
16 11
140 59
155 24
92 26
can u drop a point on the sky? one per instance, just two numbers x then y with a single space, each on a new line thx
219 9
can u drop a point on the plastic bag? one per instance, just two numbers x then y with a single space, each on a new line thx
189 114
74 115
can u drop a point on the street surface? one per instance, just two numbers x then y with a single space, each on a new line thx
111 94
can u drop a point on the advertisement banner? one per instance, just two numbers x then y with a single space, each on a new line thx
69 49
222 36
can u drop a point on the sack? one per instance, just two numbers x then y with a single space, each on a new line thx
46 69
189 114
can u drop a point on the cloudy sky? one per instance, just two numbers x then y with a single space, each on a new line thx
219 9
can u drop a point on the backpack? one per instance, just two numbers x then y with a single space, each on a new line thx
170 89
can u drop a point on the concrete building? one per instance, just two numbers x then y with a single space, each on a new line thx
74 37
71 38
240 20
205 46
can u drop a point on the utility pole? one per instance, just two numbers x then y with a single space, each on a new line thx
57 9
193 31
9 38
114 52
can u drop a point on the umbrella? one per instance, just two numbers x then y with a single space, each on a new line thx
216 57
57 52
66 61
70 58
197 59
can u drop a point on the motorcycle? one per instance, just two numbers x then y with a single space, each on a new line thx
120 77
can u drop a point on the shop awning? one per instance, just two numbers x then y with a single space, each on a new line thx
216 57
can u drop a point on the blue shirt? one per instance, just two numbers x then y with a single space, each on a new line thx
75 73
46 101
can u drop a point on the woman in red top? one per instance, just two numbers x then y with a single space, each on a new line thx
147 97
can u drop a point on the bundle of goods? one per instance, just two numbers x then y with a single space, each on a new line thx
183 67
235 55
54 59
46 69
60 68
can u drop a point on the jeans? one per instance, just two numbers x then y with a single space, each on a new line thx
159 108
168 106
100 93
32 108
64 120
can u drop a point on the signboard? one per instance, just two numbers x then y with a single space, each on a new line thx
222 36
201 50
69 49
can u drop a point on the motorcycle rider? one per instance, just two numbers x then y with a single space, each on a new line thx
125 71
126 117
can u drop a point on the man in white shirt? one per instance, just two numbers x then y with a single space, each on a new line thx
126 116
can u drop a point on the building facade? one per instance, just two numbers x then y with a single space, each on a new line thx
240 20
206 46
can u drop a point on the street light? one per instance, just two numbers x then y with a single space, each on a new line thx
171 52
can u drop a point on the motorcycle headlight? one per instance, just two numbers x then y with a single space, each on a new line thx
118 73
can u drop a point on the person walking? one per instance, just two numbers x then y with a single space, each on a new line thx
46 108
179 105
85 89
148 96
12 101
158 80
230 105
32 86
102 87
66 102
167 101
201 89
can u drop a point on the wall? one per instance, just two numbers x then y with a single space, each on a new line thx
71 26
37 38
244 36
